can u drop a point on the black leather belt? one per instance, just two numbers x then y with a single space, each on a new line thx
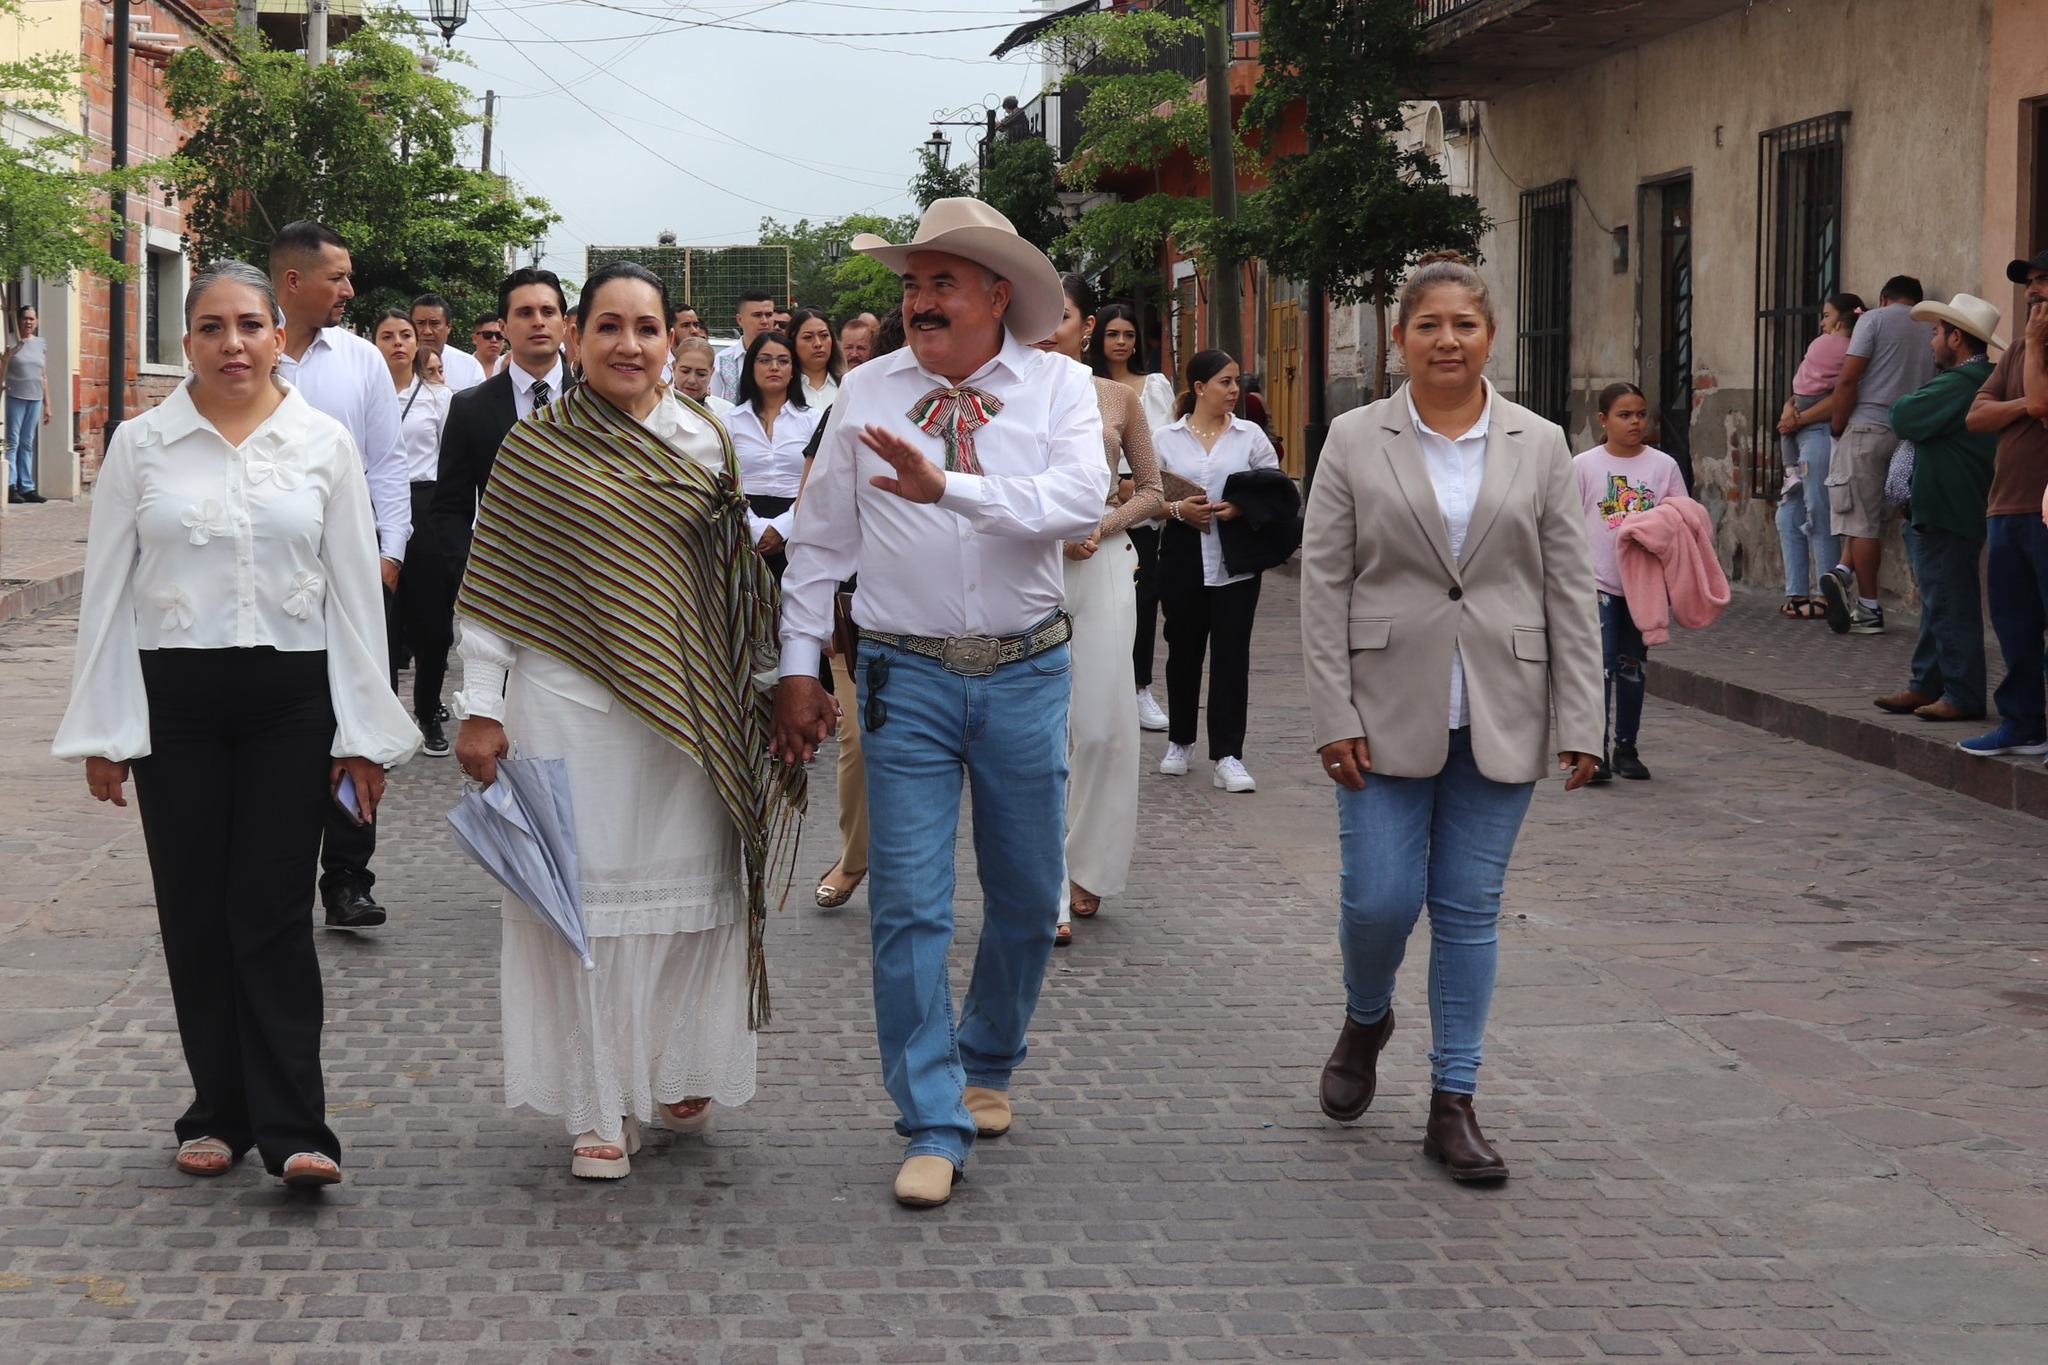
977 656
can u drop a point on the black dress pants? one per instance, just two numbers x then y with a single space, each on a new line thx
425 610
1146 541
1199 618
231 798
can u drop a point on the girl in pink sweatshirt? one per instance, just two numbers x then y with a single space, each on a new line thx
1621 475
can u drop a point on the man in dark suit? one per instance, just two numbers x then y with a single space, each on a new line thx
535 313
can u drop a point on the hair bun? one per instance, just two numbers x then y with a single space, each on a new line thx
1443 257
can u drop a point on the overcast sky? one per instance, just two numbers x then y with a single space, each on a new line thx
837 94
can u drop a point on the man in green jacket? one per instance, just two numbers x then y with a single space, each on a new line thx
1945 519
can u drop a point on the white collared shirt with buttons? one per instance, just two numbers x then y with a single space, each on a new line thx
983 560
1457 466
771 466
1239 446
345 377
523 381
422 412
198 544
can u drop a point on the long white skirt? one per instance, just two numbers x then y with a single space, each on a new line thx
664 1014
1102 720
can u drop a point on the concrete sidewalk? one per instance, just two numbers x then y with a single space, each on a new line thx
42 555
1801 680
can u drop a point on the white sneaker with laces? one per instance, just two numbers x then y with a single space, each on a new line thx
1231 776
1150 716
1175 764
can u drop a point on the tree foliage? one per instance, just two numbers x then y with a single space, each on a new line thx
1355 210
935 180
368 145
55 218
1022 184
849 285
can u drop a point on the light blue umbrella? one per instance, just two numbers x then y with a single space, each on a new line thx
521 830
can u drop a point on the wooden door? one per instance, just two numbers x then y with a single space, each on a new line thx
1282 380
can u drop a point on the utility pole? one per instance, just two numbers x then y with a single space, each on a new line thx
245 17
316 33
1225 312
490 113
117 288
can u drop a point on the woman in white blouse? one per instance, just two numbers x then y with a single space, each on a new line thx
229 654
1207 607
817 357
1114 353
612 617
421 624
771 423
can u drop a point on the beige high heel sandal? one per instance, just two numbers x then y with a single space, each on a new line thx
596 1167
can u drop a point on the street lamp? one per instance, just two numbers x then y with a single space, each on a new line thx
448 15
939 147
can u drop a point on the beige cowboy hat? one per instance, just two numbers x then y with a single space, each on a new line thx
971 229
1966 313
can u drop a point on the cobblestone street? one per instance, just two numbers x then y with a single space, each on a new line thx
1767 1058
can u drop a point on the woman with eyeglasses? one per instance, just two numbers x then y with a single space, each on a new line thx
771 423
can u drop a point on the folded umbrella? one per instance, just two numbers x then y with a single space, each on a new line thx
522 831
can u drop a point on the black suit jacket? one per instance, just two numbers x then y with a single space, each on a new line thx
478 421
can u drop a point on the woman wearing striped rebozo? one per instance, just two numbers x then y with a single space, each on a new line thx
616 616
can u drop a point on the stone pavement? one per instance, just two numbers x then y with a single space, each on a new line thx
1766 1055
42 555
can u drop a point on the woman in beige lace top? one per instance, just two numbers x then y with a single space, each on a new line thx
1102 787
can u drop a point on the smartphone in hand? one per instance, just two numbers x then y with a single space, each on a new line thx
351 805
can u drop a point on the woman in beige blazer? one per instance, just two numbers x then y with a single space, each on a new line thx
1447 607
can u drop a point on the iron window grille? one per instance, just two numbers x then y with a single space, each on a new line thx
1798 265
1544 343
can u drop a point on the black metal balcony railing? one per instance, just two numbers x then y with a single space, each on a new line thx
1184 58
1433 10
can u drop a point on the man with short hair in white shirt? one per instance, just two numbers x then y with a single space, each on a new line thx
947 477
345 377
432 320
755 315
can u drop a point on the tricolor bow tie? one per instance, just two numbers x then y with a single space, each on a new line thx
954 415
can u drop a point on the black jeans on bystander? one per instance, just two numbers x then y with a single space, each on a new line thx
1200 618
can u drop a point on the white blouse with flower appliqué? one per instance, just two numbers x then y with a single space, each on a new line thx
198 544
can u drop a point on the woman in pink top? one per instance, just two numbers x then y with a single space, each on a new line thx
1804 533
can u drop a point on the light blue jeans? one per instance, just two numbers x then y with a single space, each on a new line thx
24 415
1443 841
1804 531
1007 732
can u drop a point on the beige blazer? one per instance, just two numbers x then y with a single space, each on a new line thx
1383 601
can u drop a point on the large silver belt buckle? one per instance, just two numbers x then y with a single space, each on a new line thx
971 656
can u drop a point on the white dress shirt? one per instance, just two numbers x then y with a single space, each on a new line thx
422 412
345 377
983 560
197 544
819 396
522 387
461 370
771 467
1457 464
1242 446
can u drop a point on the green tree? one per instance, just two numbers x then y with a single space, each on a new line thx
1022 184
824 274
1354 210
55 218
367 145
935 180
1140 112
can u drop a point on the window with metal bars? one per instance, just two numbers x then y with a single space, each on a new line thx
1798 264
1545 339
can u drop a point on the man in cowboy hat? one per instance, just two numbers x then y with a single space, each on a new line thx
1945 517
2013 406
949 474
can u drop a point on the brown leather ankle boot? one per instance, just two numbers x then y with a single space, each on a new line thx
1453 1137
1352 1074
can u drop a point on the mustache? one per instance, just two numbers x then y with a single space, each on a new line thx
927 319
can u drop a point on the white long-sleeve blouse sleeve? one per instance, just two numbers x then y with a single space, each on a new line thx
197 544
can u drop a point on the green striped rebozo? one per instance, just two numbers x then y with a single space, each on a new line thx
601 546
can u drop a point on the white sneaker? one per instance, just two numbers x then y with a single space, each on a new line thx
1231 776
1175 764
1150 717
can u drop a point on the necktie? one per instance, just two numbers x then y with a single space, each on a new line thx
540 394
954 415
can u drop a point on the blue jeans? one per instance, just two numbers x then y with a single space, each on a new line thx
1948 655
1443 841
1623 655
1803 528
1008 733
24 415
2016 574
